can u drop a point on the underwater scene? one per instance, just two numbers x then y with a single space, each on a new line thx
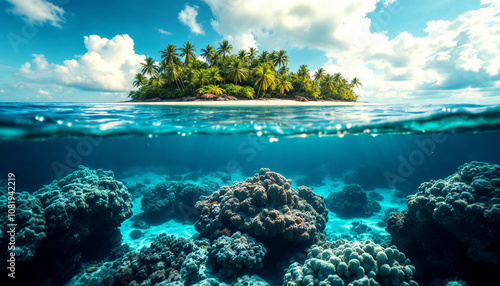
361 194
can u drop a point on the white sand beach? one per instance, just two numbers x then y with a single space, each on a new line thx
249 103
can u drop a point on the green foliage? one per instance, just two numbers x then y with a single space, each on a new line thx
213 89
151 92
245 74
231 89
247 92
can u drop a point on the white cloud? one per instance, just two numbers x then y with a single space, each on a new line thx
200 58
188 18
163 32
37 11
443 56
457 55
388 2
44 94
2 91
316 23
108 65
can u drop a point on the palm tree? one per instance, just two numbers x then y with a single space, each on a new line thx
303 73
280 58
139 80
198 65
355 82
283 70
213 75
174 74
236 71
200 78
162 67
207 53
169 54
328 83
188 72
319 75
265 77
265 57
252 53
242 55
283 84
148 67
157 80
337 77
225 49
188 53
215 59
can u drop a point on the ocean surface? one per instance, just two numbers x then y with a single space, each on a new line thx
388 150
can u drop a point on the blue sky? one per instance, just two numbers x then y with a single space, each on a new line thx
402 50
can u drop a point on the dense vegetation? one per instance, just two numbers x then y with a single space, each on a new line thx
245 74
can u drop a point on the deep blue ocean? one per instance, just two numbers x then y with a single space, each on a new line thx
388 150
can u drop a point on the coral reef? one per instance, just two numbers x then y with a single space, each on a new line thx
68 222
168 199
94 275
30 229
194 267
85 199
453 225
376 196
181 261
167 260
457 283
136 234
358 227
138 190
351 202
236 253
342 263
263 206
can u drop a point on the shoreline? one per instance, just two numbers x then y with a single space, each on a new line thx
246 103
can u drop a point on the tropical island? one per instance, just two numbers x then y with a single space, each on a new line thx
222 75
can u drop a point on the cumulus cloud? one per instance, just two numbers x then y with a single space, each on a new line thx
320 24
108 65
163 32
453 56
44 94
188 18
37 11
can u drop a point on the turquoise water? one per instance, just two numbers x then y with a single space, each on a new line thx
388 150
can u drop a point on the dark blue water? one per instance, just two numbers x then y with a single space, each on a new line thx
379 147
43 142
359 159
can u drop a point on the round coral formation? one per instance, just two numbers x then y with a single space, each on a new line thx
85 199
264 206
352 202
343 263
453 224
236 253
69 221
